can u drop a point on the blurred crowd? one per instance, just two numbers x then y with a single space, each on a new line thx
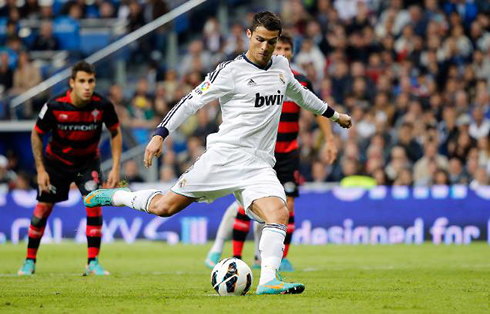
414 75
55 25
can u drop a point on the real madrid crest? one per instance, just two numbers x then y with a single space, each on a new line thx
281 78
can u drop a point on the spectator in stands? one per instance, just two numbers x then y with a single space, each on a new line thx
310 53
480 179
236 41
197 59
480 126
26 75
143 117
421 167
6 73
135 15
167 174
441 177
45 39
46 9
106 10
7 177
318 172
22 181
456 173
398 161
131 172
404 177
408 143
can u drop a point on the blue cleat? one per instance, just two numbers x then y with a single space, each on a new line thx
212 259
28 268
101 197
256 264
94 268
286 265
276 286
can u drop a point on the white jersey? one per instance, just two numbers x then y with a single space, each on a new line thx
251 102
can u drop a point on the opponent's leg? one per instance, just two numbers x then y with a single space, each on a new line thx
36 231
94 236
274 213
241 227
285 263
225 230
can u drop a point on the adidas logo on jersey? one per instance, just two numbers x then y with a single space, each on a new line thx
251 83
268 100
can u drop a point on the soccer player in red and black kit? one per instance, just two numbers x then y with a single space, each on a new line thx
287 168
74 120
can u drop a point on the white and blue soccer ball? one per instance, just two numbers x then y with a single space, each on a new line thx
231 276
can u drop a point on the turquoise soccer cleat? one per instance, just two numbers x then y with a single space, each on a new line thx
101 197
28 268
276 286
286 265
212 259
94 268
256 264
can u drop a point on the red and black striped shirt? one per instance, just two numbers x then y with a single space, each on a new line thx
75 131
287 135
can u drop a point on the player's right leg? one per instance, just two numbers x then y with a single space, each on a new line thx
150 201
36 231
224 233
273 211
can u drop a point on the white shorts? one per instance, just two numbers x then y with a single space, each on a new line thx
222 171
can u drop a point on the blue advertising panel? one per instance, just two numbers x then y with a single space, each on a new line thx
442 215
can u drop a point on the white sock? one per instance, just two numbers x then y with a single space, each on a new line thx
271 250
225 228
139 200
257 235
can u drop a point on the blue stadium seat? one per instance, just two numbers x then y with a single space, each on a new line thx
93 41
67 31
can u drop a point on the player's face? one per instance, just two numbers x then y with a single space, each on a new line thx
83 86
262 44
284 49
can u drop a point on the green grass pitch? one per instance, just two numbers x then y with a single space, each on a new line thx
156 278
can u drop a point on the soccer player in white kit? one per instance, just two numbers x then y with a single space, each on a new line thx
240 156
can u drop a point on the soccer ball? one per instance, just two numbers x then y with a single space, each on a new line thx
231 276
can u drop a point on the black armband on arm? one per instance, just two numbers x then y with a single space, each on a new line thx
162 131
331 114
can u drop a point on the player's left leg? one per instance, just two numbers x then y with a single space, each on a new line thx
36 232
89 179
94 237
274 213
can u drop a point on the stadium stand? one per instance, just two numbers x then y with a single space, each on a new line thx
413 74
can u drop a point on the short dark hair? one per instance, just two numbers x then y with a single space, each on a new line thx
268 20
287 39
82 66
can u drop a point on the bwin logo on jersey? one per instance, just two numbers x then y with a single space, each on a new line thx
268 100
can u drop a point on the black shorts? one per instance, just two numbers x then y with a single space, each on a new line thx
87 177
287 168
